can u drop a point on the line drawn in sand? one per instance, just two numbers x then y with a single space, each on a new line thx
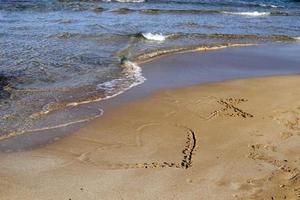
185 163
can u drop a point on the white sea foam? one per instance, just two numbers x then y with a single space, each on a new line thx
133 77
133 74
297 38
253 14
155 37
133 71
109 85
270 6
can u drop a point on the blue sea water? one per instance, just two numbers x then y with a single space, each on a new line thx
57 54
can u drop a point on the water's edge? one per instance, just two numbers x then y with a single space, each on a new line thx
36 138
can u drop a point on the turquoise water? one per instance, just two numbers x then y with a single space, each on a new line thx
56 55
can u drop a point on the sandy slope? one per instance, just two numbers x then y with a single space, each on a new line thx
229 140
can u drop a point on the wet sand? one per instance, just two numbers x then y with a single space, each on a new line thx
235 139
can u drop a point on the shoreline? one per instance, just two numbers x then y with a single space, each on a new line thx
180 135
202 67
233 139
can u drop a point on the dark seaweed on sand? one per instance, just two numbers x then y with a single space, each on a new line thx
4 81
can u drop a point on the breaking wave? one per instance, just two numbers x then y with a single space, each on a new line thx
153 36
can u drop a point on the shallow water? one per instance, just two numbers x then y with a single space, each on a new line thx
55 55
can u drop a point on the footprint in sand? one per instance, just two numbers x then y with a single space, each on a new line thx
286 135
289 119
285 173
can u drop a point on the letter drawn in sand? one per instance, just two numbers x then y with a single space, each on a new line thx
184 164
230 109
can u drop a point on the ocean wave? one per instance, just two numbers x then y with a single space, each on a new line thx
154 11
150 55
132 76
229 40
201 12
45 5
222 3
179 11
131 71
254 13
258 14
109 85
66 35
123 10
159 37
154 36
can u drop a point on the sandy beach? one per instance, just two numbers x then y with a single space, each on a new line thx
149 100
227 140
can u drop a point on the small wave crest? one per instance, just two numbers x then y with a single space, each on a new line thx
131 71
154 11
132 77
154 36
297 38
109 85
180 35
270 6
201 12
253 14
150 55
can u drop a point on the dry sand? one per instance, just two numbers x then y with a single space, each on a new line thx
229 140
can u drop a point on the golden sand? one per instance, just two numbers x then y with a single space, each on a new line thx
229 140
